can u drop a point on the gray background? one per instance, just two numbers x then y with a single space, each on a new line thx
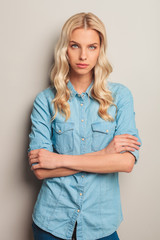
29 31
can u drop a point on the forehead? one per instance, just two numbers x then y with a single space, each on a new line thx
81 35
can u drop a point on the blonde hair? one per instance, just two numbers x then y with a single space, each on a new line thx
60 72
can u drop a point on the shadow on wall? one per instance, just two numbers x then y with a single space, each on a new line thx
28 176
31 180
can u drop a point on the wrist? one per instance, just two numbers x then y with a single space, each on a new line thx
59 161
56 160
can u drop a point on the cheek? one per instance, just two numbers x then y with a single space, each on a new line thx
97 56
69 53
95 59
94 55
70 56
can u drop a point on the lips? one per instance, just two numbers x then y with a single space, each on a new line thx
80 65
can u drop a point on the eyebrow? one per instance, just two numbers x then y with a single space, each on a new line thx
80 44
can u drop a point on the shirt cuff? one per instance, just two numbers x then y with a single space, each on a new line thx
135 154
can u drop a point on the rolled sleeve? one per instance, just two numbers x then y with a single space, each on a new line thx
40 135
125 120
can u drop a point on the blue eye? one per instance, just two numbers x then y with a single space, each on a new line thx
74 46
92 47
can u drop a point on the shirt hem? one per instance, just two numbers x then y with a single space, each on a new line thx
40 225
36 221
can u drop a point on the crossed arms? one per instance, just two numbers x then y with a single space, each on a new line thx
46 164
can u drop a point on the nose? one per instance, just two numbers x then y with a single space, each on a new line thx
83 55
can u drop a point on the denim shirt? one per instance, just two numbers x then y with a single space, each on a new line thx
91 199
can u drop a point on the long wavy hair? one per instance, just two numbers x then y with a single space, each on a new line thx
59 75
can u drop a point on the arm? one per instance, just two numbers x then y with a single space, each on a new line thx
125 121
98 162
42 173
104 163
40 136
119 143
121 153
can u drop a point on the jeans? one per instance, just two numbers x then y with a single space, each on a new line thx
40 234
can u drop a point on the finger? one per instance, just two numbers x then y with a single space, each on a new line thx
131 136
34 167
33 156
126 148
33 160
122 138
33 152
128 143
127 136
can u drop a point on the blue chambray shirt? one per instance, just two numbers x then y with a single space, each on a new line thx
91 199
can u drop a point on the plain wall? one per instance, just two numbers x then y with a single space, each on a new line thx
29 31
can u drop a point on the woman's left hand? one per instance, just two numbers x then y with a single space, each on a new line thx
42 158
123 142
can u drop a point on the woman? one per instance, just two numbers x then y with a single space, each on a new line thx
83 133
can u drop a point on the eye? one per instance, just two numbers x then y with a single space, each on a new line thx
92 47
74 46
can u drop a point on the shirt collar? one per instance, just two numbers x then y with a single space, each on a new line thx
74 92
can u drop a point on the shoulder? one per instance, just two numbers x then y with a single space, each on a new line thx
118 88
43 101
45 95
120 92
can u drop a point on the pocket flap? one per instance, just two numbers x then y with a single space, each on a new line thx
104 127
61 127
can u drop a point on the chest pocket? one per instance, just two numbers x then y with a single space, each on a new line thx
63 137
102 134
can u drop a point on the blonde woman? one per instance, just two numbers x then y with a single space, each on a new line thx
83 134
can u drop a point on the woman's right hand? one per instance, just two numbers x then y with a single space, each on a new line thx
123 142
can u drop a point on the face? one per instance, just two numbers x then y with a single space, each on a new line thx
83 51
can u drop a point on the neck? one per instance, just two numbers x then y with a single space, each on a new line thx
81 82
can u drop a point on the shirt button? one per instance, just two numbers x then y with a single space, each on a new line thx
81 104
80 194
82 176
82 120
107 131
78 210
82 139
59 131
79 95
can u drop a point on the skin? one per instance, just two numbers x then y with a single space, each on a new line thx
82 50
84 47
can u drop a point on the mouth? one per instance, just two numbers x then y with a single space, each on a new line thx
80 65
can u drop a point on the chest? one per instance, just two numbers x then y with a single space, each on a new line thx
84 131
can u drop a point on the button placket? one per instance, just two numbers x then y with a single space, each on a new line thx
82 132
82 123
